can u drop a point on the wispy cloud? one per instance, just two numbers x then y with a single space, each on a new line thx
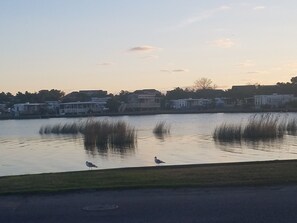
174 70
143 48
259 7
223 43
202 16
180 70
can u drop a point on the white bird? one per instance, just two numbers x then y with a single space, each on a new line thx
90 165
157 161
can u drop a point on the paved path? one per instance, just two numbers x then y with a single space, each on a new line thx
249 204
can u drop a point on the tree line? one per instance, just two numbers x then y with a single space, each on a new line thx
202 88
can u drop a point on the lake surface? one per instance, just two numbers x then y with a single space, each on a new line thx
24 151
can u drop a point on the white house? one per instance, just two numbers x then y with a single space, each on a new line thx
273 100
28 109
190 103
82 108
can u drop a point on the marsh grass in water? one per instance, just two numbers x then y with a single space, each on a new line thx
68 128
259 127
161 129
263 126
122 134
292 127
228 132
97 133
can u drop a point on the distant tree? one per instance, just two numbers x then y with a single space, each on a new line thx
113 104
177 93
5 97
95 94
26 97
209 93
123 96
294 80
52 95
203 84
76 96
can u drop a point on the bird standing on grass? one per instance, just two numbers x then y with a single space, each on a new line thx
157 161
90 165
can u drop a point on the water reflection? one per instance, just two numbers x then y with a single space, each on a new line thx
261 145
104 150
161 130
265 145
162 136
292 133
234 146
24 151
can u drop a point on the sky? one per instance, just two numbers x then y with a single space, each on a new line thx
135 44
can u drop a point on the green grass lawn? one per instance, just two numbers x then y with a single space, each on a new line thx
206 175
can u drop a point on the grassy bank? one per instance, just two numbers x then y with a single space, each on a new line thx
207 175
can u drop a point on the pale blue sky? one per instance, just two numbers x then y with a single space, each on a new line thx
133 44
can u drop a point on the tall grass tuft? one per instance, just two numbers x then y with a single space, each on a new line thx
122 134
97 133
292 126
259 127
68 128
228 132
263 126
161 129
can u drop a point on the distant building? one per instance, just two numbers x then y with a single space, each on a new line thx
219 102
273 100
190 103
28 109
143 100
82 108
52 107
100 100
226 102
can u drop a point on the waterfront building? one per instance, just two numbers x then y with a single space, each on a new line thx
273 100
82 108
144 100
189 103
28 109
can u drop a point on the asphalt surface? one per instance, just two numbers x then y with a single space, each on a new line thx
248 204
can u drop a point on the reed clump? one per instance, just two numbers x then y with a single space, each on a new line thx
97 133
263 126
67 128
122 134
161 128
259 127
105 133
292 126
227 132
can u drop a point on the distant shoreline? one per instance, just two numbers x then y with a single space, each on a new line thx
159 112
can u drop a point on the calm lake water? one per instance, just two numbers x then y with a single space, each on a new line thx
24 151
